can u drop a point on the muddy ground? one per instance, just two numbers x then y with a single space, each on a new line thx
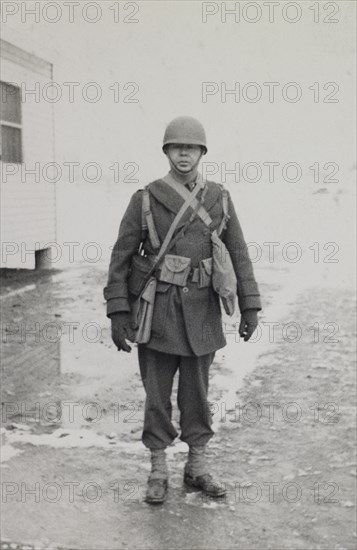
74 470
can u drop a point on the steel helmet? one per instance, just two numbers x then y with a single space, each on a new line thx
185 129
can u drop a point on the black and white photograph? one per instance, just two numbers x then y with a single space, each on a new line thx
178 275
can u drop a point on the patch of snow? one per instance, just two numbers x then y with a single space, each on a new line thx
17 291
62 438
8 452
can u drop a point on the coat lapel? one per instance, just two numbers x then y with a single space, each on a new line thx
212 195
173 201
170 199
166 196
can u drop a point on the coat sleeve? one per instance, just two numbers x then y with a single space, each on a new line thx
247 288
127 244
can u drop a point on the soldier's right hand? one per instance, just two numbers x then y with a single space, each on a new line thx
122 330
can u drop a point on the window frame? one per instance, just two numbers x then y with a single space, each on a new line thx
17 125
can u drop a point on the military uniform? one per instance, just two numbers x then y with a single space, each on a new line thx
187 320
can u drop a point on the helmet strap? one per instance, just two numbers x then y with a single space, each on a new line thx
184 177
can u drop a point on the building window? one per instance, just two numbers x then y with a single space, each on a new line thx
11 129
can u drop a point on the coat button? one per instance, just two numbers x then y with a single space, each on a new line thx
185 289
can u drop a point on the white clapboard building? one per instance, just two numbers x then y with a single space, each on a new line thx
28 195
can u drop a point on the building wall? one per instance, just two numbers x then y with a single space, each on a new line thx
28 200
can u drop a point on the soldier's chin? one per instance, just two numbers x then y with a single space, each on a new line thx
186 169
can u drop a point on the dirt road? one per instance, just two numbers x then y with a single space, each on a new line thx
74 470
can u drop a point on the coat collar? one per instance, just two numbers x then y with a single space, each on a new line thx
173 201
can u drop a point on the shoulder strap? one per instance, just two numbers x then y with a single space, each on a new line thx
226 216
168 241
147 221
189 200
202 212
145 203
184 193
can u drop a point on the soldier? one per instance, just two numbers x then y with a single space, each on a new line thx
187 323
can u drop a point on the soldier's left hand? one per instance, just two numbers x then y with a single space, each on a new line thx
248 323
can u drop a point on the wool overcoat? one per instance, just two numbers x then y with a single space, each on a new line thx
187 320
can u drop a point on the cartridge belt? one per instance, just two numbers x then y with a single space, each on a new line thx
177 270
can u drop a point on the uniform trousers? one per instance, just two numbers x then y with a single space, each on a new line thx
157 372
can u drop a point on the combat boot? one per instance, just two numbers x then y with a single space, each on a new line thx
158 480
205 483
156 491
196 474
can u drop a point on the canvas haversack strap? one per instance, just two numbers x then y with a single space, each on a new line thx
169 240
201 212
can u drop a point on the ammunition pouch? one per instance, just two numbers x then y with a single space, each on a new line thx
175 270
205 273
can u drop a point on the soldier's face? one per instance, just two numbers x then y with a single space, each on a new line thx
184 157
